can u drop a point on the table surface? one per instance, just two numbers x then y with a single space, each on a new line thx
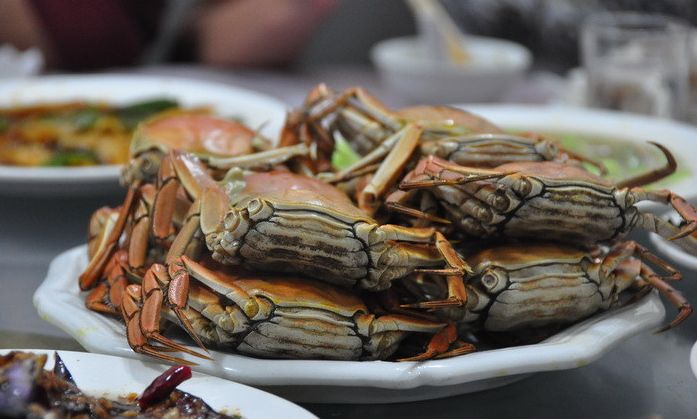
646 376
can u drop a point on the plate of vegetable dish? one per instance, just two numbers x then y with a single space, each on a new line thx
78 384
62 135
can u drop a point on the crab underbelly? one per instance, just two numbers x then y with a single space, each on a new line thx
303 333
541 301
577 216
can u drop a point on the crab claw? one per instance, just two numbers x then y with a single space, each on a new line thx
684 231
439 345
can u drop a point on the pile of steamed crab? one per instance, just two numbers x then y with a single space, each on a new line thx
443 229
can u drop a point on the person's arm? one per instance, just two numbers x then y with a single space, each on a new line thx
20 27
257 32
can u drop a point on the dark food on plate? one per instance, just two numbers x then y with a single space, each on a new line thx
72 134
27 390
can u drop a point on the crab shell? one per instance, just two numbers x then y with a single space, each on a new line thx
289 317
534 199
284 222
203 135
535 285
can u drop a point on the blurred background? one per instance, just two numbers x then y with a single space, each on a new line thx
325 31
331 39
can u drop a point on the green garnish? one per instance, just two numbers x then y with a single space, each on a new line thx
4 123
343 155
132 115
72 158
85 119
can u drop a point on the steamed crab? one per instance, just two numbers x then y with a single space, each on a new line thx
372 130
280 222
201 134
531 286
267 316
220 143
546 199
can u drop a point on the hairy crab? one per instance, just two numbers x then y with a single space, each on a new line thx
270 317
447 132
524 287
205 135
191 230
220 143
551 200
275 221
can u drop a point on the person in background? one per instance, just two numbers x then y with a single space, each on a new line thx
91 34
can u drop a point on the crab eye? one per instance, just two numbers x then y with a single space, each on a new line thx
548 149
494 280
522 187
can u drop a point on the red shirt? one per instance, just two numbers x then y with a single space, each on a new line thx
89 34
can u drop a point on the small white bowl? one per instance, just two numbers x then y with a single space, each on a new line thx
409 70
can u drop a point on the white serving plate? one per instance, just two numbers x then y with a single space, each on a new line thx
255 109
673 252
679 138
111 377
59 301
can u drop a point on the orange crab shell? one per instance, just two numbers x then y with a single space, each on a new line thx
203 135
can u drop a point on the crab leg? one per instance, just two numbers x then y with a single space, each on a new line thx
583 159
130 310
616 262
457 296
175 171
106 297
682 235
227 288
391 168
456 267
403 140
623 250
675 297
175 283
139 237
101 225
439 344
654 175
263 159
95 268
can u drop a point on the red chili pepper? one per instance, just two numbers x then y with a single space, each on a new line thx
162 386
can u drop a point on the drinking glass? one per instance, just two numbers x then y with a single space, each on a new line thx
637 62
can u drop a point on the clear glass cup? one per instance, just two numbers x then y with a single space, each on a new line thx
637 63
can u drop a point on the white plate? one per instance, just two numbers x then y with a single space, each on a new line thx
111 377
255 109
638 129
59 301
673 252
